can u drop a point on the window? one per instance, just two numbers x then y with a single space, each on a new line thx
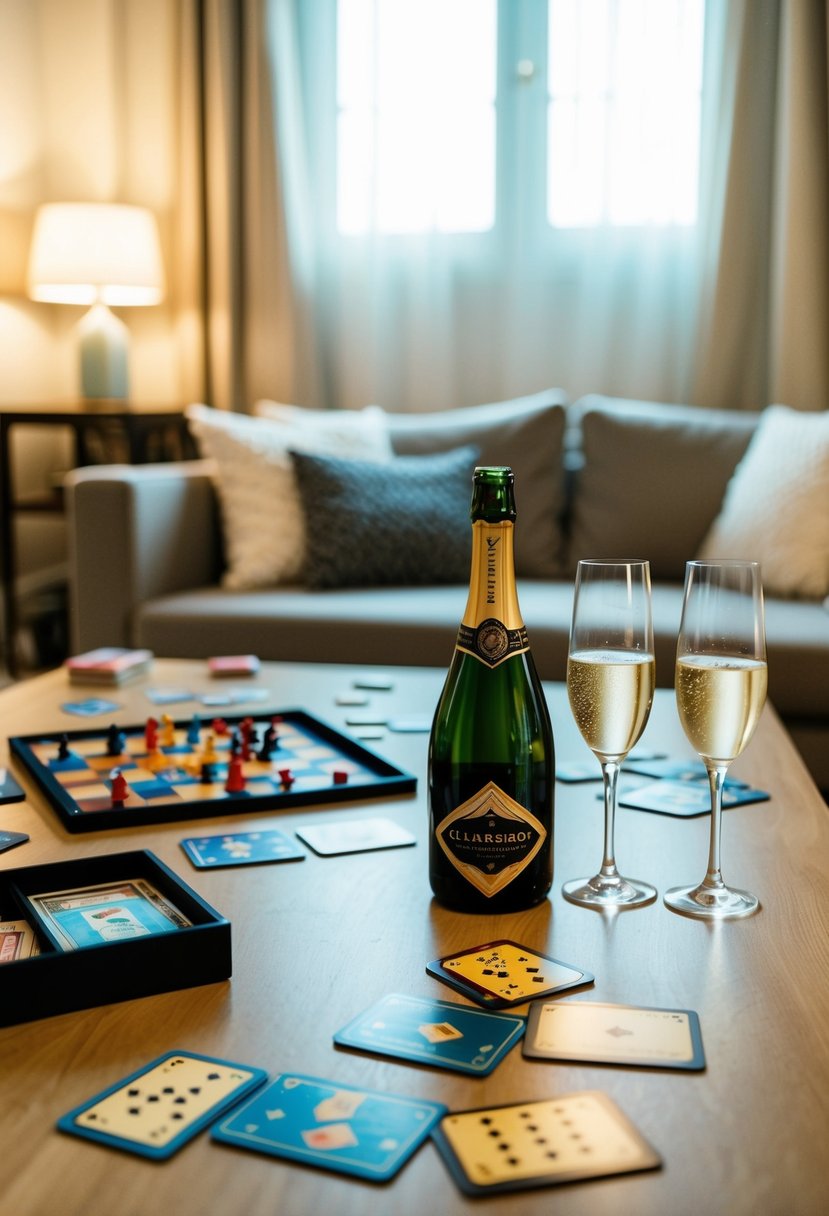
427 90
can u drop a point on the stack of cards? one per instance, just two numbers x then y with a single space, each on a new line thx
503 973
17 941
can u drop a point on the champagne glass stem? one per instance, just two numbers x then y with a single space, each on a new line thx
610 777
716 780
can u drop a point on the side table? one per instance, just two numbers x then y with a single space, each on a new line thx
102 433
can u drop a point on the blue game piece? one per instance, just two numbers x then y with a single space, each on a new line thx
193 730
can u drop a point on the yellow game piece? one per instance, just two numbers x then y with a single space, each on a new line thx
209 755
168 731
155 760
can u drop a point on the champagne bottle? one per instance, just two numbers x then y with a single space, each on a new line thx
491 759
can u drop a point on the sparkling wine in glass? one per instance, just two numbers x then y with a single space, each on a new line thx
721 680
610 681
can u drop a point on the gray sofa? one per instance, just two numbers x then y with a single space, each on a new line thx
601 477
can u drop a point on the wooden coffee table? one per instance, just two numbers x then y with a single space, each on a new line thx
316 942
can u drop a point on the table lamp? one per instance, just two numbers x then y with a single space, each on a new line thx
97 254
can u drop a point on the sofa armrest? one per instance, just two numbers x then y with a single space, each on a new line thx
136 532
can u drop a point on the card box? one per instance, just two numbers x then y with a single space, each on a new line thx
57 981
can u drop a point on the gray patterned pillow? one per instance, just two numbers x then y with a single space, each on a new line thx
401 523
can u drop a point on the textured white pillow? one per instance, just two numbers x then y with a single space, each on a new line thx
776 506
262 517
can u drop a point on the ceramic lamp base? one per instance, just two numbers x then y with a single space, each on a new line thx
104 341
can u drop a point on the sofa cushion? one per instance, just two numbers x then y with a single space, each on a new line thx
776 508
525 433
262 519
404 523
653 479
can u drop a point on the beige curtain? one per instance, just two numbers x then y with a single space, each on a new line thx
236 295
764 307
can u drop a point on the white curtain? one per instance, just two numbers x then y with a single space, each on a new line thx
730 312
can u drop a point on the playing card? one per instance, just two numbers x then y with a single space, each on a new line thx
684 799
337 1127
8 840
532 1144
573 773
503 973
17 941
416 724
10 791
241 849
89 707
355 836
160 1107
614 1034
673 770
168 696
434 1032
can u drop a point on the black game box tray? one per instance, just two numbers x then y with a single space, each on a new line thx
86 931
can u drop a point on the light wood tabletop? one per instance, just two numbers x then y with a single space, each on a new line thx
317 942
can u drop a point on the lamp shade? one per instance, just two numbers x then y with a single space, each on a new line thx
83 252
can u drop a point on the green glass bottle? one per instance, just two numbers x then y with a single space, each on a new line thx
491 758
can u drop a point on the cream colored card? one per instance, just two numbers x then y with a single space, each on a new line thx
580 1135
614 1034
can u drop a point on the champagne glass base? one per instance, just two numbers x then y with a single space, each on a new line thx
609 891
711 902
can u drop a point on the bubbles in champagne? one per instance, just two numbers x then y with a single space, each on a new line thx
610 695
719 699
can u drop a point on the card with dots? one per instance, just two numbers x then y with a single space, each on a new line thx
156 1110
503 973
533 1144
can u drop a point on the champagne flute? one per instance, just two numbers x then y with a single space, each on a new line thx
610 680
721 681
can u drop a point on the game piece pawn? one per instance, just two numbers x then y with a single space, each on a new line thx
120 787
155 759
207 773
209 754
151 734
340 776
235 776
194 731
63 748
269 744
168 731
286 777
219 727
116 741
246 735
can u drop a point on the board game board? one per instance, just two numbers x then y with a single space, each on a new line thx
111 777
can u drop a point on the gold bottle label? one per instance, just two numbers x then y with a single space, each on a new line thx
490 839
492 629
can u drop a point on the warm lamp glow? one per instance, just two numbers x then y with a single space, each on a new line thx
98 254
83 252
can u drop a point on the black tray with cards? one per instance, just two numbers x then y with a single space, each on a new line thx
295 760
95 930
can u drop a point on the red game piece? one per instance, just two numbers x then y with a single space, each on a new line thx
219 726
235 776
340 776
151 734
286 777
245 735
120 787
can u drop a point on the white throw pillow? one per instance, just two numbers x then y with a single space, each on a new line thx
776 507
262 518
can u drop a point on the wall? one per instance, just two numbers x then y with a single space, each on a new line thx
87 112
